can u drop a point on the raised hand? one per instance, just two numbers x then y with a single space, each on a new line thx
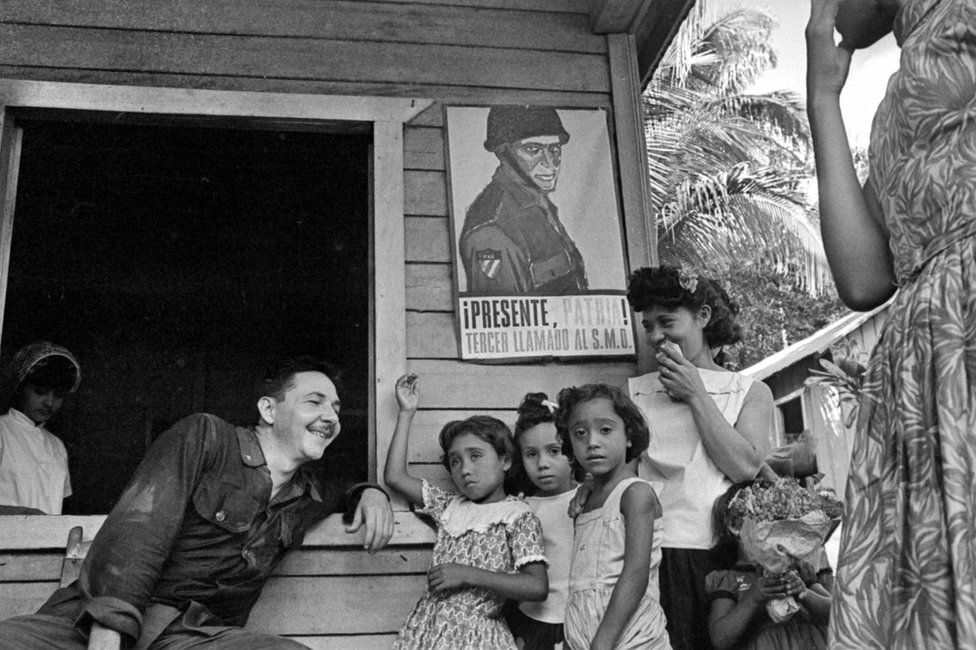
679 376
407 395
827 62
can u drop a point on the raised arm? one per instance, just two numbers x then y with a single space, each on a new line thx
640 507
396 473
854 235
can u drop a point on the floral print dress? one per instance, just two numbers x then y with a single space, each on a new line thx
501 537
907 571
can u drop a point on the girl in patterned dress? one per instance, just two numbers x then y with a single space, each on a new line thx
739 593
613 588
546 476
489 545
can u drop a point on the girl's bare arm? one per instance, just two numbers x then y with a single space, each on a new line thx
396 472
530 583
640 508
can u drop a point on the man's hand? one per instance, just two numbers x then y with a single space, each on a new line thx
373 512
447 576
102 638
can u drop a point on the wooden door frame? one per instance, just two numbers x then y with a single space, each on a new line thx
386 115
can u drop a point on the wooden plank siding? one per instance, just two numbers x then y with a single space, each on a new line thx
467 52
317 592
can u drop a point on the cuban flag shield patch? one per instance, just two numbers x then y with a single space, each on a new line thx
489 261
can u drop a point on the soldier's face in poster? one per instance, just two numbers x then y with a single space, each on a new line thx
540 269
539 158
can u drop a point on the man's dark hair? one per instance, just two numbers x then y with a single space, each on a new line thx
279 377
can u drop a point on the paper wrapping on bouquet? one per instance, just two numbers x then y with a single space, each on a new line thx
778 546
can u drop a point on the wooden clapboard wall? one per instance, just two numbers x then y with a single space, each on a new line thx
453 51
330 595
476 52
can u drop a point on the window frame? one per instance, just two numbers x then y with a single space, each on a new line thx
384 116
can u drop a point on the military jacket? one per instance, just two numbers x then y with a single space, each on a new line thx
512 242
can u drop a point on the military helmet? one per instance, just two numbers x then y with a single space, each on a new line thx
511 123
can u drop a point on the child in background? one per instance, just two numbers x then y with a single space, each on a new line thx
550 484
613 584
739 593
489 545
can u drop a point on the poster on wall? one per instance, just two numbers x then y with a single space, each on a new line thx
538 249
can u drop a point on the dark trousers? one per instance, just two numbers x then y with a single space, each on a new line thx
683 596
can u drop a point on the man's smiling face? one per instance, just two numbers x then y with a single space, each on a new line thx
306 418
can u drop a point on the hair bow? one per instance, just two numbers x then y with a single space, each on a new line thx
688 280
552 406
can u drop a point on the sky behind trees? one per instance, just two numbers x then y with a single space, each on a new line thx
870 68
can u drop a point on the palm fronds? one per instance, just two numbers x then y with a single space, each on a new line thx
728 168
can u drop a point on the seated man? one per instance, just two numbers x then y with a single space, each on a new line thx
210 511
33 462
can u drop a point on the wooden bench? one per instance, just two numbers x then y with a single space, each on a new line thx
329 595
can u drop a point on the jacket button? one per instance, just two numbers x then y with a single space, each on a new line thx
220 516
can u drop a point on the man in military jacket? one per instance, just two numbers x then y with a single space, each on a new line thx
183 556
512 241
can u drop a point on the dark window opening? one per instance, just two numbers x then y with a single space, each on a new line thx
792 419
177 263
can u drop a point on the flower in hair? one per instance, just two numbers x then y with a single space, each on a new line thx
552 406
688 280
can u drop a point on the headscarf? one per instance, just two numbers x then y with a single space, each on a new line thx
36 356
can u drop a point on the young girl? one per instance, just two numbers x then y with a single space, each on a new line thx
551 485
489 545
739 593
613 585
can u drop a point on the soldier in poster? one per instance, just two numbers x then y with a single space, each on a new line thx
512 241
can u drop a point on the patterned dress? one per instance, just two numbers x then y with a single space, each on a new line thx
501 537
907 571
799 632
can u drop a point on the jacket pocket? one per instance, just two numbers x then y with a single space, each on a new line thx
225 505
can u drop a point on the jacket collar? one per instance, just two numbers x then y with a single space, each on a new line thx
21 419
252 456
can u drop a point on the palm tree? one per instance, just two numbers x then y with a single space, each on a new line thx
729 169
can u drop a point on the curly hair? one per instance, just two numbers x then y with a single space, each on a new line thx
491 430
662 287
635 426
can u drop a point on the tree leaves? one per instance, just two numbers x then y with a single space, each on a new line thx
729 169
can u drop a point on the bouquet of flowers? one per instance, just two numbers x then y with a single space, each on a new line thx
781 525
